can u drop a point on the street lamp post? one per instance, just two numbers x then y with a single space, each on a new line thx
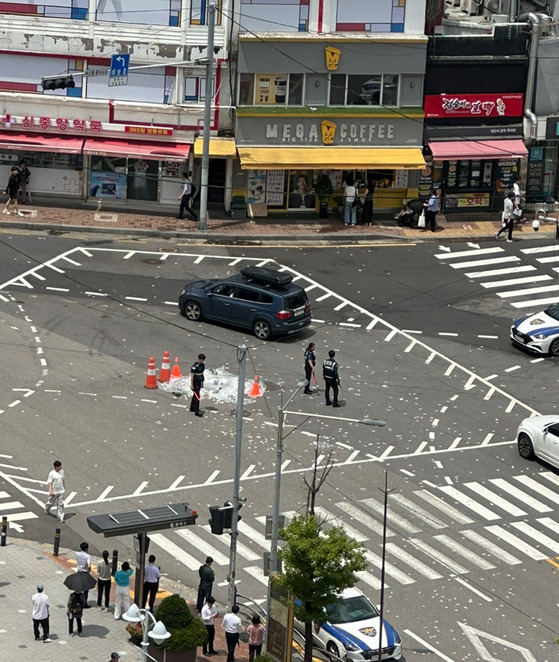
150 627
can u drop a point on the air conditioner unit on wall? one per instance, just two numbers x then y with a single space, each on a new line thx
471 7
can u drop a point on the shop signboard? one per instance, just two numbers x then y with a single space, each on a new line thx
107 185
271 89
534 182
473 105
507 170
466 200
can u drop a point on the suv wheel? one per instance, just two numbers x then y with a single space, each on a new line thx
262 330
192 311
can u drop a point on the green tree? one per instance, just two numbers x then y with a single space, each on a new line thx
317 565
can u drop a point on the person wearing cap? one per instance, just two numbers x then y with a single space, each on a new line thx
206 583
40 613
330 374
508 216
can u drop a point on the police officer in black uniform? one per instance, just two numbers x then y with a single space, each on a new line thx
330 374
196 382
310 362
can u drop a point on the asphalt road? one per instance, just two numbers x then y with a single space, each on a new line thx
422 344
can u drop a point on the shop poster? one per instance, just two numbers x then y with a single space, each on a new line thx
256 187
275 187
107 185
271 89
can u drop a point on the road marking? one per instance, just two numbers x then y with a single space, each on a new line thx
495 499
474 590
370 579
431 357
447 509
333 520
459 549
248 471
490 547
371 324
418 511
341 305
539 249
140 488
429 646
470 383
389 568
489 338
67 259
535 303
200 544
449 369
483 251
175 551
214 475
528 291
10 505
420 447
391 335
135 299
537 487
392 517
515 281
489 394
517 543
413 562
482 263
475 635
548 260
324 296
254 535
443 333
470 503
386 453
106 491
441 558
487 439
536 535
359 515
500 272
21 517
176 482
514 367
526 499
410 346
256 572
242 549
58 289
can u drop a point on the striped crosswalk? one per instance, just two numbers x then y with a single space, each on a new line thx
463 528
14 511
526 282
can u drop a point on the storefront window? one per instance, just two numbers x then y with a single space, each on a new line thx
390 89
246 90
43 160
364 90
337 90
295 89
142 179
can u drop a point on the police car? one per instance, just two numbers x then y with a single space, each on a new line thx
538 333
353 627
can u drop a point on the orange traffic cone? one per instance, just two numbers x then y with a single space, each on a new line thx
255 389
165 372
176 374
151 379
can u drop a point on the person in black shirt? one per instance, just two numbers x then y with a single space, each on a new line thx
310 362
331 377
24 176
196 382
12 189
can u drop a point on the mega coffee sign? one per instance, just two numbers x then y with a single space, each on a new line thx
473 105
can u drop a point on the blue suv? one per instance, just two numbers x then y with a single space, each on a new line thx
259 299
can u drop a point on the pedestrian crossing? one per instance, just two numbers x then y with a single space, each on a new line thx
527 281
431 533
14 511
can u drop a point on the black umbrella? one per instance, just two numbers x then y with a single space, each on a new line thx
80 582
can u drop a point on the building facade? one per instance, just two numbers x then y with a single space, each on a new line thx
125 126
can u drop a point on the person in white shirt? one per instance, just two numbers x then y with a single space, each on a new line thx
84 565
40 613
152 575
57 488
208 616
350 211
232 625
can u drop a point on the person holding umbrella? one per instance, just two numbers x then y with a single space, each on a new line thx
80 582
74 610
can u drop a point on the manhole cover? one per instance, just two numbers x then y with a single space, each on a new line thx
246 413
168 250
153 261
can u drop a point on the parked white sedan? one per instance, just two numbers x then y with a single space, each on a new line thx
538 437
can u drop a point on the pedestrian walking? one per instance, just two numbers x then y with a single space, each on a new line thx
24 177
185 197
255 637
310 362
350 210
232 625
40 613
432 208
57 489
152 575
83 560
330 374
11 189
104 581
114 657
122 590
196 383
75 611
209 613
207 577
507 217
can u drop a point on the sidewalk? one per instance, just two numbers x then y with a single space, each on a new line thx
25 564
222 229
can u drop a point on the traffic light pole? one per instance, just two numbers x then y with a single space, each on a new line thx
241 358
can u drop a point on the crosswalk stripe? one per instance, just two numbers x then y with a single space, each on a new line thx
517 543
459 549
542 490
242 550
389 568
548 260
444 507
470 503
256 572
175 551
527 290
4 495
477 251
495 499
526 499
11 505
254 535
550 523
20 517
419 512
392 517
551 477
490 547
536 535
360 516
540 249
449 563
336 521
370 579
535 303
198 543
483 263
515 281
414 563
501 272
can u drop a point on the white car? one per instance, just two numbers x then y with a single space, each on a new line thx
538 333
353 628
538 437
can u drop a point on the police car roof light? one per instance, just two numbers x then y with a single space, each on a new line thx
267 276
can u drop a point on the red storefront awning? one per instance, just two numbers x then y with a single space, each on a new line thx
34 142
478 149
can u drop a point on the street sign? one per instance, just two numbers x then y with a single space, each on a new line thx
96 72
118 74
171 516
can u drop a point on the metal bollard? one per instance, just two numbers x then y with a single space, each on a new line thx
56 541
4 531
115 562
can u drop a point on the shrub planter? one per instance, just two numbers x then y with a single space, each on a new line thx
163 655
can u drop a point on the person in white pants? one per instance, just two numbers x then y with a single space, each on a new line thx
122 590
57 490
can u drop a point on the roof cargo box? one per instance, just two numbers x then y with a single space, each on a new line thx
267 276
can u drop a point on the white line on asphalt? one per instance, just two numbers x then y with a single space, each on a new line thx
537 360
431 357
391 335
420 447
97 294
488 546
352 456
447 562
371 324
474 590
510 407
501 272
214 475
199 544
513 368
69 498
387 452
518 544
412 561
487 439
527 290
444 333
170 303
339 443
334 520
38 276
10 505
552 495
140 488
324 296
254 535
418 511
540 249
412 331
515 281
199 259
536 536
77 264
243 550
410 346
85 252
489 337
135 299
526 499
248 471
393 518
105 492
482 263
83 393
470 503
470 383
359 515
449 369
389 568
176 482
459 550
444 507
175 551
341 305
129 255
14 403
495 499
483 251
408 473
429 647
535 303
548 260
349 325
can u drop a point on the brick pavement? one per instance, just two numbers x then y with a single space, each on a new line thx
222 229
25 564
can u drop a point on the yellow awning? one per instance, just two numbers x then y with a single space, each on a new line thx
337 158
219 147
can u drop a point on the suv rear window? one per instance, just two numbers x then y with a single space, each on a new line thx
296 300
